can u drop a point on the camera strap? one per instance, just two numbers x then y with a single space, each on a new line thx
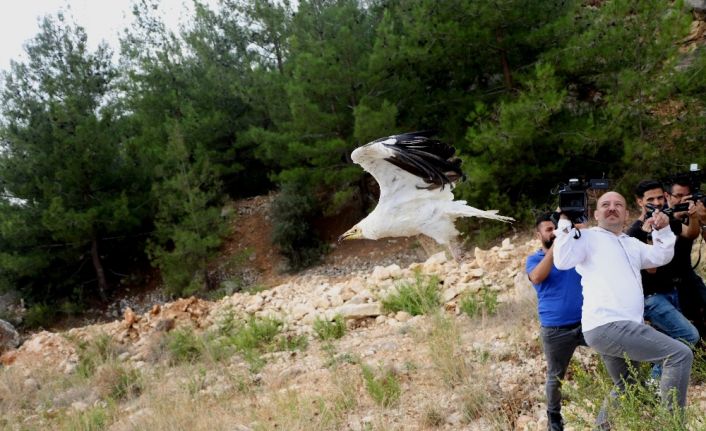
701 243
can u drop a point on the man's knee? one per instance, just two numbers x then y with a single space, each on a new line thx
682 355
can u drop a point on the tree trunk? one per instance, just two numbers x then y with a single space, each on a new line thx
503 60
100 274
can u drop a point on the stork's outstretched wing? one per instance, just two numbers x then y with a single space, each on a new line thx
410 165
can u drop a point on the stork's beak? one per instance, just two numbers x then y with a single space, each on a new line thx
353 233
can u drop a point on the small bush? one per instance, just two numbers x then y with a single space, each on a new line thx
184 345
432 417
117 382
698 369
39 315
326 330
637 407
483 302
385 390
292 231
419 297
94 419
93 353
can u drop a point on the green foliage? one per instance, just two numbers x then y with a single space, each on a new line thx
252 338
39 315
637 407
698 368
384 387
292 232
419 297
99 161
93 419
484 302
188 223
71 179
330 330
94 353
184 345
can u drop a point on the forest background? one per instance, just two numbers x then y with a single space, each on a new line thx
115 164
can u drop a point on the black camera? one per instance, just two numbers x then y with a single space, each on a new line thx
684 206
573 198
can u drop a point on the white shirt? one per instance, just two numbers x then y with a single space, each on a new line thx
610 265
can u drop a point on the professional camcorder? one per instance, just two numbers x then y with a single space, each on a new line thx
573 198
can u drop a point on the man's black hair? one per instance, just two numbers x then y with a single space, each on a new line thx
647 185
545 216
680 181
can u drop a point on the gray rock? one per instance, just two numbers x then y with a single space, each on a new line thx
699 5
9 337
355 311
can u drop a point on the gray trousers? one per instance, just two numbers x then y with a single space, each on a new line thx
642 343
559 345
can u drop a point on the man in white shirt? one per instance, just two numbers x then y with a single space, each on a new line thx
609 262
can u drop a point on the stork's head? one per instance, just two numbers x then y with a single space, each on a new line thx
356 232
359 231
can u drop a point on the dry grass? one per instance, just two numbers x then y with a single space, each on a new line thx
442 375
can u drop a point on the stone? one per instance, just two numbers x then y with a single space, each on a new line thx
402 316
356 311
9 337
79 406
380 273
699 5
301 310
507 245
453 292
31 384
436 259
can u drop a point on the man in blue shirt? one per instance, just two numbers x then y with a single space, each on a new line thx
559 302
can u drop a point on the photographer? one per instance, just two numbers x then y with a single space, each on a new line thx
690 287
559 305
659 285
609 262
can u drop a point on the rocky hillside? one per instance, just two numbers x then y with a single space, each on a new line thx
472 362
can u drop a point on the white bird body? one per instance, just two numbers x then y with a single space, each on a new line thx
413 203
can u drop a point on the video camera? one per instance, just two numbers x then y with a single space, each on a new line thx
573 198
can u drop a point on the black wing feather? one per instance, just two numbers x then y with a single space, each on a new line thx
427 158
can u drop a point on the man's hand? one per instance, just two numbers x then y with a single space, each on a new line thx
658 220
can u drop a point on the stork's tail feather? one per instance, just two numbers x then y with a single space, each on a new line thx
469 211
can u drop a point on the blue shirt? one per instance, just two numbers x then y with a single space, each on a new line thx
559 297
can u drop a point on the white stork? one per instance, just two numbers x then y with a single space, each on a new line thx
413 170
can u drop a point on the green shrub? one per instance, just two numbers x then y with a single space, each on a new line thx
293 211
639 406
698 369
39 315
333 330
184 345
93 419
485 301
251 339
385 389
117 382
418 297
95 352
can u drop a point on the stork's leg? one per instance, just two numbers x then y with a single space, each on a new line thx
456 251
429 245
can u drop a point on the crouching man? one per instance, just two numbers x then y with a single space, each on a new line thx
609 262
